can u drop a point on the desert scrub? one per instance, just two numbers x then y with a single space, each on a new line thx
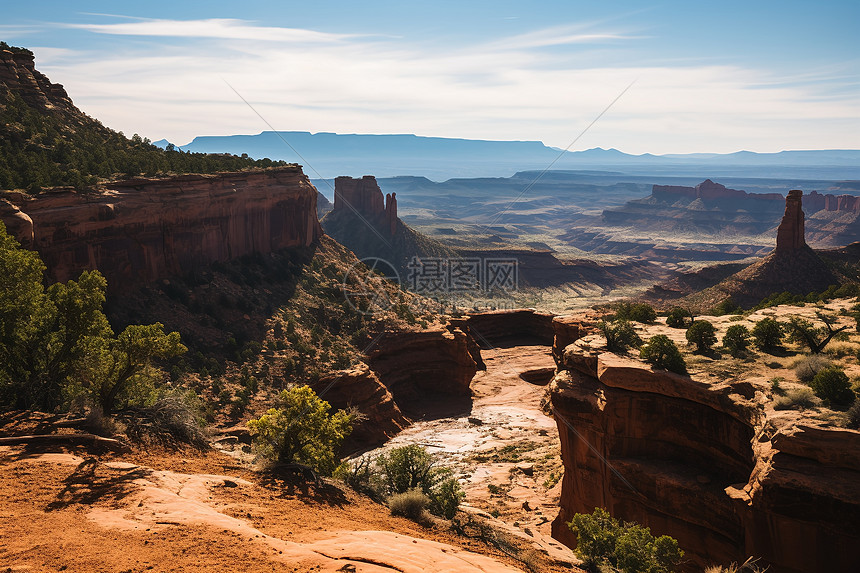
797 399
411 504
807 367
679 318
832 385
767 334
637 312
703 334
619 335
663 353
736 340
628 547
301 431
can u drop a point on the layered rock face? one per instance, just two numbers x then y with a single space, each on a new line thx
502 327
140 230
19 75
704 463
791 234
359 387
364 197
420 364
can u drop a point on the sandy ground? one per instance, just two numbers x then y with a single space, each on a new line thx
505 451
72 509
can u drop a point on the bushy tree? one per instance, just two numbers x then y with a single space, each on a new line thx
619 335
767 334
301 430
679 318
628 547
663 353
56 343
832 384
637 312
703 334
737 339
727 306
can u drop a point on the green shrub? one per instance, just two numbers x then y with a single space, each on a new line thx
767 334
703 334
663 353
737 339
679 318
627 547
619 335
808 366
832 385
411 504
796 399
301 431
446 497
728 306
637 312
413 468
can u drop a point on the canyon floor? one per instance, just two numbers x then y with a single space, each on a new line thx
70 505
505 449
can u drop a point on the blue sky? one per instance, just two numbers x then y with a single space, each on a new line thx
707 77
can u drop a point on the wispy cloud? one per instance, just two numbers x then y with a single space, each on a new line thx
220 28
318 81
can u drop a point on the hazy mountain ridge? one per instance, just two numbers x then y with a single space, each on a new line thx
330 154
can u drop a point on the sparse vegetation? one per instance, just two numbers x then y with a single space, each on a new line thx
831 384
663 353
767 334
405 469
796 399
807 367
628 547
619 335
737 339
703 334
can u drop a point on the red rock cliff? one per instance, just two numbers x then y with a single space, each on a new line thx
140 230
791 234
703 462
364 197
18 74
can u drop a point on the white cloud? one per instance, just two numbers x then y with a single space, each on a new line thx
315 81
220 28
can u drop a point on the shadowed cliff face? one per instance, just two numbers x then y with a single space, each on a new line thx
702 462
140 230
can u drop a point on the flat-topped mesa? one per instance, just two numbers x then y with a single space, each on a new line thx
791 234
364 197
140 230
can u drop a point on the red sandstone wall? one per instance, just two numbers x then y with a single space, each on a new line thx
140 230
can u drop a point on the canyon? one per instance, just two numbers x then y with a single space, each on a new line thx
706 460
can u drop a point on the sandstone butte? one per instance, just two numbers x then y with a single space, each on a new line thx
706 462
140 230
